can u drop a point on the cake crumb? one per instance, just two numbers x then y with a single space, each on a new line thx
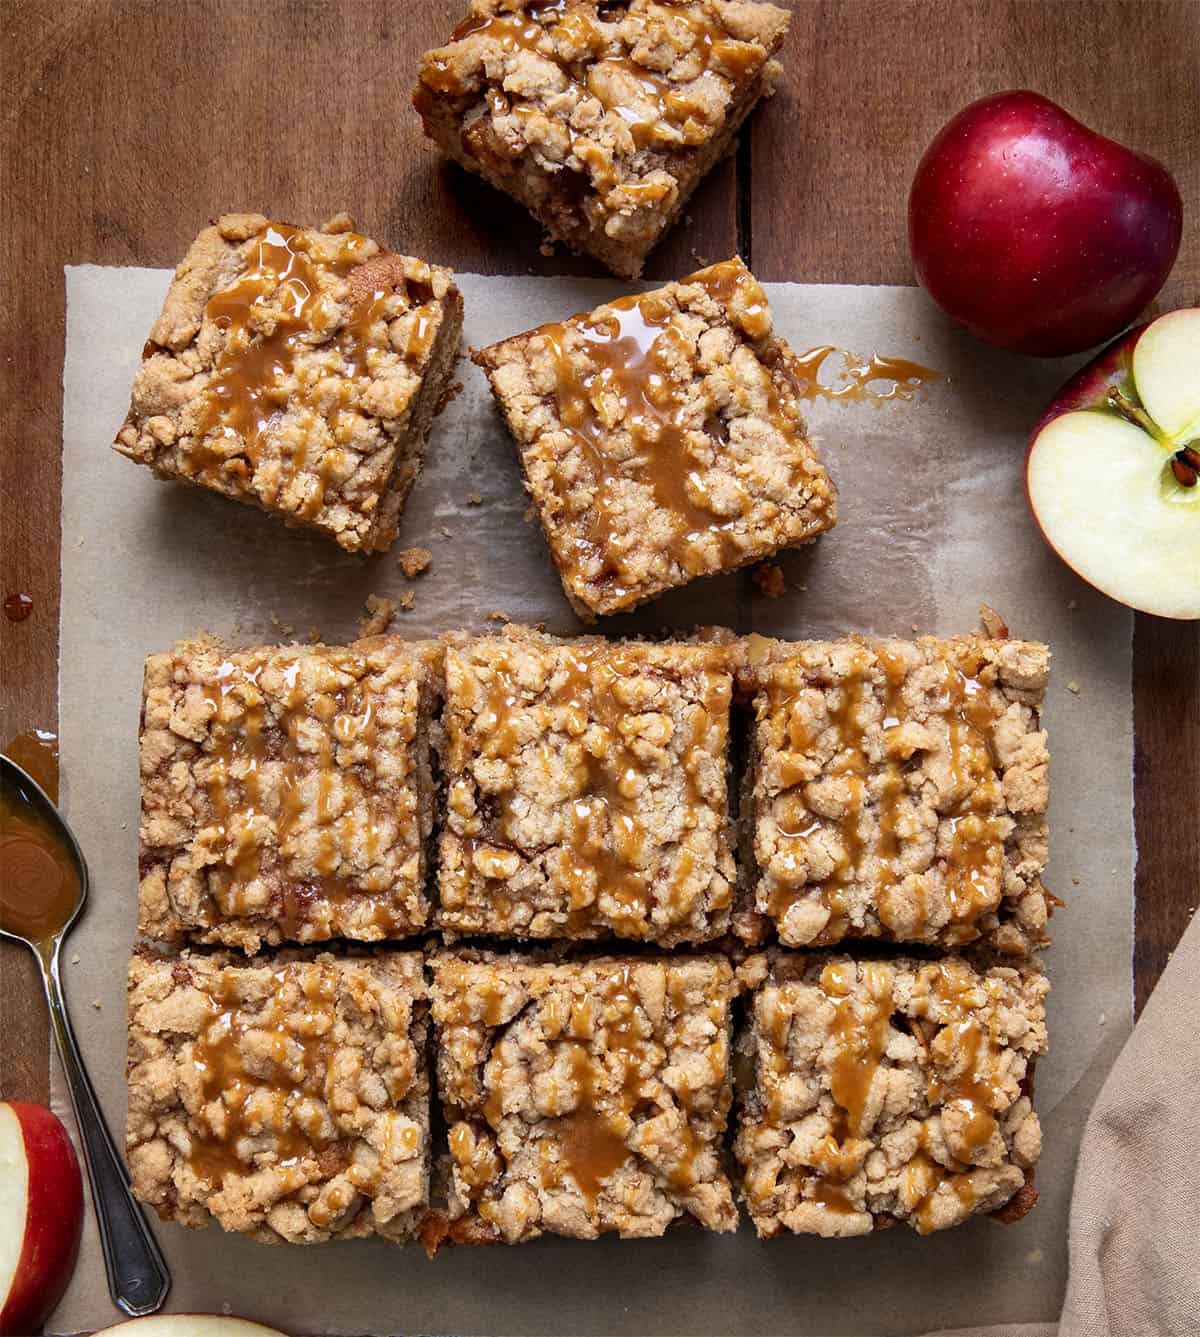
414 561
497 616
993 623
770 580
474 499
96 1004
1073 686
407 600
377 616
446 532
75 959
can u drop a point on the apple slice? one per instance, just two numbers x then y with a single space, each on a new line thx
1112 473
190 1325
1166 370
41 1214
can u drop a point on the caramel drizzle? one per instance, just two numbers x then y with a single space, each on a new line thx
272 314
236 1103
978 1091
859 1031
971 868
859 1035
664 115
591 1143
238 750
625 346
875 379
606 842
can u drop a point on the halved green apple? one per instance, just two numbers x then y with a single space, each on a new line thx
1113 469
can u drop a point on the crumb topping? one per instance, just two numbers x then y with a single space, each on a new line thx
285 1099
378 613
286 793
900 791
586 789
285 367
585 1098
662 438
614 98
889 1089
414 561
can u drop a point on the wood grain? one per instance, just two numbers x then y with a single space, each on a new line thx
127 123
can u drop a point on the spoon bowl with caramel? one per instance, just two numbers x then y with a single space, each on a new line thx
43 887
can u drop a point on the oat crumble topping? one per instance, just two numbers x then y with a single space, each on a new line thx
586 789
584 1098
285 1098
297 370
900 791
661 438
286 792
600 118
890 1090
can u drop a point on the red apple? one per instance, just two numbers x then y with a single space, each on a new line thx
41 1214
1037 233
190 1325
1113 468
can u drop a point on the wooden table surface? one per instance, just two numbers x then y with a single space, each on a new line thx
128 123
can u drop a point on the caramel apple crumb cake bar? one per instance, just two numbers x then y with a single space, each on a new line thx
583 1097
285 1098
298 370
599 116
287 792
661 438
898 790
586 789
889 1090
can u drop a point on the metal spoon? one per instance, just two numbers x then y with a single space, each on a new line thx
138 1279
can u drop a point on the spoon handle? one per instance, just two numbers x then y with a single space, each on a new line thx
138 1279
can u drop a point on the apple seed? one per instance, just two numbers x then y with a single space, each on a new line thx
1186 473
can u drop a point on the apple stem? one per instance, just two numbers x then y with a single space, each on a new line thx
1120 401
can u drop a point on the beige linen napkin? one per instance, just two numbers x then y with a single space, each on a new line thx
1135 1214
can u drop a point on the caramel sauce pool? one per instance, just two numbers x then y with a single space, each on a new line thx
36 752
39 885
867 380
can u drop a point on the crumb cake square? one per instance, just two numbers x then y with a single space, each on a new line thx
287 792
889 1090
599 116
586 789
898 790
285 1098
582 1098
661 438
298 370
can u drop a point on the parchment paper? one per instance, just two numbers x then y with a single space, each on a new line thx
933 521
